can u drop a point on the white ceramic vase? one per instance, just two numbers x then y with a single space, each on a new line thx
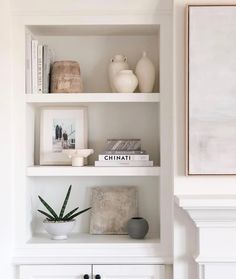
58 230
125 81
117 64
145 72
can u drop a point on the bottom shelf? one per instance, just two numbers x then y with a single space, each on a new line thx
89 239
95 249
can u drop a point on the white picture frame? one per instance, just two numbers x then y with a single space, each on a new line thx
62 128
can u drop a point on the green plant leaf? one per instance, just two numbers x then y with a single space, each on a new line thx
49 217
65 203
70 213
78 213
48 208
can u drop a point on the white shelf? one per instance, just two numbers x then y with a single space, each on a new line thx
96 30
98 249
91 171
92 97
86 239
85 248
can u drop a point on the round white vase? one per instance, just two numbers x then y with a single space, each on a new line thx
145 72
125 81
117 64
58 230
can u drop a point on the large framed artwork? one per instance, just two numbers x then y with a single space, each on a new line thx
211 89
61 128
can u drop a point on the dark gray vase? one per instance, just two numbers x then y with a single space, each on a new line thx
137 227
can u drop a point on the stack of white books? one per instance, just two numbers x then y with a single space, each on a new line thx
38 62
123 152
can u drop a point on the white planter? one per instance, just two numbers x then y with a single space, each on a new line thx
125 81
145 72
58 230
117 64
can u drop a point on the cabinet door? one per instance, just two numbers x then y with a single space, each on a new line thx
54 271
129 271
219 271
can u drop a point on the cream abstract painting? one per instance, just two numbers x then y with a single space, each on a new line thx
212 90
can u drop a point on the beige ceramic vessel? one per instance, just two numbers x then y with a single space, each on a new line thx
66 77
125 81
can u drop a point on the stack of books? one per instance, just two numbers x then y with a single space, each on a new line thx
38 62
123 152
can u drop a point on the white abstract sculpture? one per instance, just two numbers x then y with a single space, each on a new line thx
78 155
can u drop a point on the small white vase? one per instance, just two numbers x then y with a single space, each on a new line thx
117 64
125 81
145 72
58 230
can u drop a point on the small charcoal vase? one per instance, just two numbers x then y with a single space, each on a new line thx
137 227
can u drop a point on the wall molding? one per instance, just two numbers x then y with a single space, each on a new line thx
215 219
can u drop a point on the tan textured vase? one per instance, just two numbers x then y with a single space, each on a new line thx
65 77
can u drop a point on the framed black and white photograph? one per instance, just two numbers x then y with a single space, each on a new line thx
60 129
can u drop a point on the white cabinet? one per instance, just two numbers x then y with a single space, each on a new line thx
219 271
129 271
54 271
98 271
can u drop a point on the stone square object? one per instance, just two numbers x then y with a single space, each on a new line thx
112 207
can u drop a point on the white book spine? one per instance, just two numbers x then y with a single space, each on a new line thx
40 68
123 163
34 66
115 157
28 57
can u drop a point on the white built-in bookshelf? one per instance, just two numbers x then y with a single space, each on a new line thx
110 115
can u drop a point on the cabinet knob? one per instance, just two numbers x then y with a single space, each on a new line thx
97 276
86 276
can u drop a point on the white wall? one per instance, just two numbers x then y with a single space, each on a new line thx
5 140
91 6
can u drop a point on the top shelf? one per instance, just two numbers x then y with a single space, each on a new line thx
96 30
93 98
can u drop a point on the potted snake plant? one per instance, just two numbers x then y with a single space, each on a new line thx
60 225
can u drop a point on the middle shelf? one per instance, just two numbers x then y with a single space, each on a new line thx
92 98
91 171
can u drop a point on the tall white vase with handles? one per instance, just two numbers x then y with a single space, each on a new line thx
145 72
117 64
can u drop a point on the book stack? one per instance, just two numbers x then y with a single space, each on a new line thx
38 61
123 152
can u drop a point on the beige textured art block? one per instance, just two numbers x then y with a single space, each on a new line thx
112 207
66 77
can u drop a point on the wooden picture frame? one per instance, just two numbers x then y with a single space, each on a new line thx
62 128
210 102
